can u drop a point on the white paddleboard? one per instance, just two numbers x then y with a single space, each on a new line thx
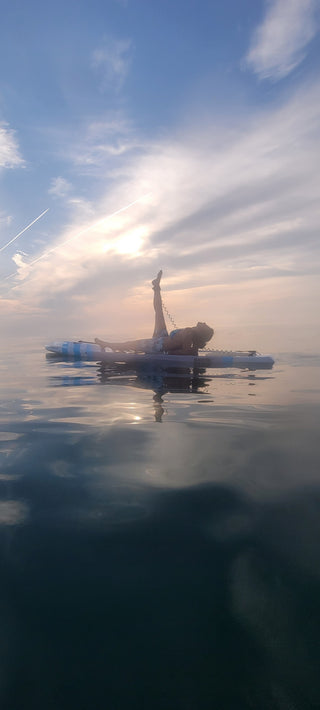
91 351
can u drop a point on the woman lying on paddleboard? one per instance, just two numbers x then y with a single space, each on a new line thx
183 341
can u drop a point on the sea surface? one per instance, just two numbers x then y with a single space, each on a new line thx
159 536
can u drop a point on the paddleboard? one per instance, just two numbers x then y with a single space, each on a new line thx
215 358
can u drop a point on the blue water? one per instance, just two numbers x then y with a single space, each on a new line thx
159 536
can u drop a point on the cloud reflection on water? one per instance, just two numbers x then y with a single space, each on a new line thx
127 545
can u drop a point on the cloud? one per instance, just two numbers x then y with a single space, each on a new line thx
103 143
279 43
15 307
60 187
9 150
13 512
232 218
5 219
112 62
22 265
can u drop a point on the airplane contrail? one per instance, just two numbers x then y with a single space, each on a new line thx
75 236
87 229
24 230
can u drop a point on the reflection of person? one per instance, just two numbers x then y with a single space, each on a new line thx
160 380
183 341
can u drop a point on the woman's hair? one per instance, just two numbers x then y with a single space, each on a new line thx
202 334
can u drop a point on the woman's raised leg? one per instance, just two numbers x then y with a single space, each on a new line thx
160 327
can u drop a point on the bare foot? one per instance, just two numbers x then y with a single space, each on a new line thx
100 342
156 281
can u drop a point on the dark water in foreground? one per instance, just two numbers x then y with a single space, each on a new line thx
159 539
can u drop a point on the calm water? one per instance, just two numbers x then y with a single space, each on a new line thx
159 537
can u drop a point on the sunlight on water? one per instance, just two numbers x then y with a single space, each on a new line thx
159 520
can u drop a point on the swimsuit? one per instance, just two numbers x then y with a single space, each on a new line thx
152 345
155 345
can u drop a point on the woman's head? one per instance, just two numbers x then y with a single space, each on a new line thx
203 333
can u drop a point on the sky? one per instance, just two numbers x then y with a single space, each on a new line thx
183 135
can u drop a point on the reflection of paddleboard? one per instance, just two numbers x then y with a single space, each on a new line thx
90 351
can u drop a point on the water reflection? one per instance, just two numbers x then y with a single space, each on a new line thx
188 589
158 566
160 380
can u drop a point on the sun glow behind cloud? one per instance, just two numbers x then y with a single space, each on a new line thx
130 243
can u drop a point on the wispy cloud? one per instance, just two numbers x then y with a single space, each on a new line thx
96 148
279 43
5 219
233 219
112 61
10 156
60 187
103 143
